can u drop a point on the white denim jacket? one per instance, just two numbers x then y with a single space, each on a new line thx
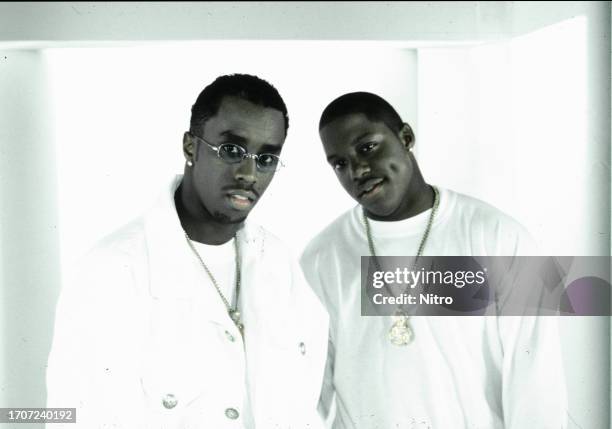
142 339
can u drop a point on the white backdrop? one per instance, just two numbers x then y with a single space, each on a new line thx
524 115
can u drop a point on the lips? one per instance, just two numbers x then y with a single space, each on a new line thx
369 187
241 199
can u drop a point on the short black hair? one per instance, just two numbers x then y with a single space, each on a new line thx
248 87
374 107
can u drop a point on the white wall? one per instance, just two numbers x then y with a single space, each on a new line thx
520 113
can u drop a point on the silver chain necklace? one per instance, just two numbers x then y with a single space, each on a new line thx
401 333
233 312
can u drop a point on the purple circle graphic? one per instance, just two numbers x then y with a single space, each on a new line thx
586 296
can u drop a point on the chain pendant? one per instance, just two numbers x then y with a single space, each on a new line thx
235 316
400 333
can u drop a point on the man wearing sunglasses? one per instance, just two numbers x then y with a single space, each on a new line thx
190 317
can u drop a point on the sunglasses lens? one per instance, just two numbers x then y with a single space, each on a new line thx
268 162
231 153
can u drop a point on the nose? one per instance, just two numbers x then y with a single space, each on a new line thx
360 170
246 171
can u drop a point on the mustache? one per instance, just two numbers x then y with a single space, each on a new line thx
241 187
363 180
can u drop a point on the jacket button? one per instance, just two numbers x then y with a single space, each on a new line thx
169 401
229 336
302 348
232 413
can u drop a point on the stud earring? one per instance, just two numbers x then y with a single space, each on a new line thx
189 163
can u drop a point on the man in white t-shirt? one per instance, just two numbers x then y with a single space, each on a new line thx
427 372
191 317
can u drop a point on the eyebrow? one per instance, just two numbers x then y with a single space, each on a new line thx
236 139
357 139
270 148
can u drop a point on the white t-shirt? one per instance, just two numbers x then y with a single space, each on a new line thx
221 262
458 372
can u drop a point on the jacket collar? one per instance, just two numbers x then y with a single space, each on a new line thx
174 270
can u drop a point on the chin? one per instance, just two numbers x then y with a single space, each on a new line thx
227 219
379 210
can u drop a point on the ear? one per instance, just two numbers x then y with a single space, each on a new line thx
189 147
407 136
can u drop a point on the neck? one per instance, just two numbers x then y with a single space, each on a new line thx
416 201
197 222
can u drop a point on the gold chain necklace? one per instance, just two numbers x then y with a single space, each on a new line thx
401 333
233 312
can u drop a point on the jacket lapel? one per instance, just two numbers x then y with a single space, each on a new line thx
174 271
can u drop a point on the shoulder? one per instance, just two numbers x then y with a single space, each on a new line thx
282 266
479 210
502 233
483 214
330 238
268 252
120 244
110 262
263 241
321 256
